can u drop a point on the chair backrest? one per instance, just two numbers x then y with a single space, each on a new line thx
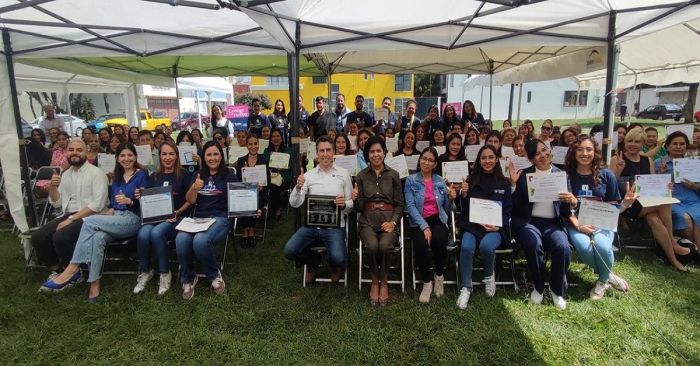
45 172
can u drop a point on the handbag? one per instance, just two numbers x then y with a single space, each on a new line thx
276 179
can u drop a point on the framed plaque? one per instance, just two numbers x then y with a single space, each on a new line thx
156 204
242 199
322 211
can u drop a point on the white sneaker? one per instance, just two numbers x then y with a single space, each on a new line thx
490 285
463 299
598 291
536 297
164 283
439 286
218 285
425 293
188 289
142 281
558 301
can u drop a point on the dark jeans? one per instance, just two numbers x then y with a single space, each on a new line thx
538 237
438 246
55 248
298 246
277 196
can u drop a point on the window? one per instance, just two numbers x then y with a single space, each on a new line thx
369 76
335 90
319 80
368 105
402 82
276 80
159 88
529 96
452 81
400 105
570 98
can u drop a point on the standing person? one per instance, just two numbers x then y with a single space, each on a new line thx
278 120
146 139
325 179
409 121
546 132
208 193
379 198
319 122
594 245
432 122
407 146
121 221
486 181
392 122
134 135
105 135
623 111
653 147
428 203
50 119
360 116
362 138
508 135
538 227
303 116
340 114
568 137
257 119
470 117
252 159
450 119
154 237
93 149
79 192
280 179
220 122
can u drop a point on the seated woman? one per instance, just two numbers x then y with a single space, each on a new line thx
428 202
494 139
209 193
94 148
486 181
588 181
686 214
280 179
154 237
379 198
342 145
508 135
407 146
472 137
454 152
626 167
121 221
568 137
438 139
538 227
252 159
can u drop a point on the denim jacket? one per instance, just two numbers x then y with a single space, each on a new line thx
414 193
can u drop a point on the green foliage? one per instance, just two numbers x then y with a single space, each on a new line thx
426 85
247 98
82 107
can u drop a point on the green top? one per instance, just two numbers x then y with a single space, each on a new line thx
659 154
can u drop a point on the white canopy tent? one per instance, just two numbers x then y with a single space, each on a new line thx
201 37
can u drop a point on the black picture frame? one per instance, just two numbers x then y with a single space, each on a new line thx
239 186
322 211
151 192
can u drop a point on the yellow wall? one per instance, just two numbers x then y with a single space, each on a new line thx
350 85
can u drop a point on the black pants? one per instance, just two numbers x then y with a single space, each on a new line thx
56 247
277 197
438 246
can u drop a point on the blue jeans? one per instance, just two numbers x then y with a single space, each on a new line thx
201 246
487 246
97 230
600 261
154 237
297 248
538 237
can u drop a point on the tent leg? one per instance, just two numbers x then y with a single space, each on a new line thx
520 103
293 78
610 85
578 94
510 103
177 99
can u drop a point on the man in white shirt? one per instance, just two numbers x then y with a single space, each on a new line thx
50 120
80 192
325 180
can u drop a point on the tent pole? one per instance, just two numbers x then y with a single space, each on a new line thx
578 93
490 91
610 85
330 87
23 163
293 82
510 103
520 102
199 113
634 88
481 99
177 99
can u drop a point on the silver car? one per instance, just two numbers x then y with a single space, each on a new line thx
73 125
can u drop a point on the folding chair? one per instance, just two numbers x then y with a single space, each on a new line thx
320 250
638 234
451 250
398 248
44 173
123 245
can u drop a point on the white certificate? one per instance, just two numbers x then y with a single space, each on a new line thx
255 174
143 155
242 199
106 162
348 162
601 215
559 154
195 225
455 171
156 204
353 142
598 137
472 151
505 167
412 162
186 154
392 144
311 150
440 149
507 152
235 153
279 160
545 187
485 212
422 145
520 163
653 185
686 169
263 144
687 129
398 163
381 114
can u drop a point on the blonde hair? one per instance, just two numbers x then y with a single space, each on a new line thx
636 134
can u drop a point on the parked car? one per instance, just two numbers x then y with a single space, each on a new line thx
189 120
662 111
148 122
26 129
73 125
99 122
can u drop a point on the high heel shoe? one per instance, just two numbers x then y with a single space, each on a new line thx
383 293
50 285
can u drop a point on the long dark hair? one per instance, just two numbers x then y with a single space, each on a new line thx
284 109
118 168
466 116
348 147
181 136
271 147
105 146
178 166
454 118
128 134
571 164
122 141
466 136
460 155
402 144
221 169
478 171
42 135
368 145
428 150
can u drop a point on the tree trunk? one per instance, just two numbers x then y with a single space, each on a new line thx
104 96
690 103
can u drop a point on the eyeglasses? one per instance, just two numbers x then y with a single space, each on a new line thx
427 160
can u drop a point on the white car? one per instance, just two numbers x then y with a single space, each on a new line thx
73 125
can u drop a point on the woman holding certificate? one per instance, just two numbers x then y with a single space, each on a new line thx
538 206
428 201
154 237
209 192
280 178
594 244
121 221
626 166
378 195
251 160
454 152
486 182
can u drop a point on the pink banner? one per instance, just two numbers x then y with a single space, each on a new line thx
237 111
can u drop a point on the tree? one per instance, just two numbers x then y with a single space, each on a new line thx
82 107
247 98
426 85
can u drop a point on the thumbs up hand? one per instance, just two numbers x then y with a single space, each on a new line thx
301 180
355 192
122 199
464 187
55 178
198 183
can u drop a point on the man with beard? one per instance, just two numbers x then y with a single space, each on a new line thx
340 114
359 116
81 191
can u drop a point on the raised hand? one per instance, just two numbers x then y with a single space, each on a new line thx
514 175
630 196
464 187
55 178
122 199
198 183
568 197
300 180
617 162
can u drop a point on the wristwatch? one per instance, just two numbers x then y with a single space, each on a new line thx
70 218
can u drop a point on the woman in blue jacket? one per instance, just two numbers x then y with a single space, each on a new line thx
428 202
486 181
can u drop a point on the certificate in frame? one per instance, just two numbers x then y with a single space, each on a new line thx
242 199
156 204
322 211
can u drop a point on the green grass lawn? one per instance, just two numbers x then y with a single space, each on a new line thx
266 317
